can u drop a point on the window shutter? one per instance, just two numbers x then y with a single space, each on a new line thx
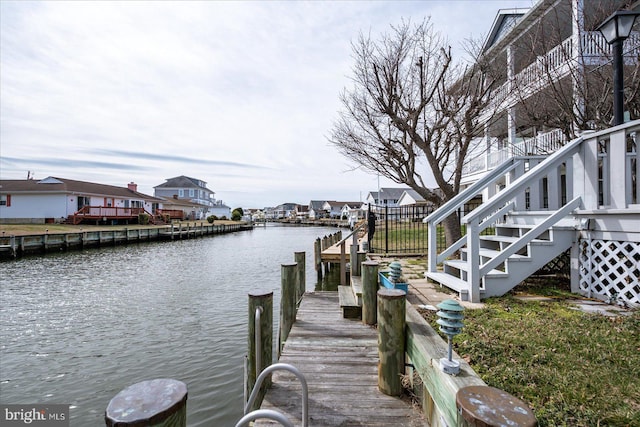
8 200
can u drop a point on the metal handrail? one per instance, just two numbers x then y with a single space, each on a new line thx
257 336
264 413
282 367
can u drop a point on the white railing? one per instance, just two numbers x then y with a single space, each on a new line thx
542 144
578 157
594 50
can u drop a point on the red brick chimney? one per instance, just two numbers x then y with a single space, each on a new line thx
132 186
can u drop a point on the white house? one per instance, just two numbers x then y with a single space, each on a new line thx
56 199
545 193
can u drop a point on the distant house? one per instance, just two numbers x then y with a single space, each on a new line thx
352 210
302 212
56 199
387 196
283 211
192 196
316 209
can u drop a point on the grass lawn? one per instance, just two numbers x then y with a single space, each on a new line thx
572 368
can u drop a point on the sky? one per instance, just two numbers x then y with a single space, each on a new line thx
239 94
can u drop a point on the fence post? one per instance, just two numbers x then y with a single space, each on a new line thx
258 361
391 340
153 403
300 259
287 302
369 292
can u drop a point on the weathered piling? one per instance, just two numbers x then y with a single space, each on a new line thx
300 259
260 339
287 302
484 406
317 252
391 340
369 292
153 403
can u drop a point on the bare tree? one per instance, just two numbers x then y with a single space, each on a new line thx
576 93
412 112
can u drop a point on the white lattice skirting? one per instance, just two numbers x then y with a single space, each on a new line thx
610 268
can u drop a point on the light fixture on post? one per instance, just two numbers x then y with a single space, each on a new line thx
615 29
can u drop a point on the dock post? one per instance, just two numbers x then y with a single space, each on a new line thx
258 361
153 403
300 259
369 292
287 302
391 339
317 252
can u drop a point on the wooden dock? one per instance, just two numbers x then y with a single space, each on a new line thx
339 359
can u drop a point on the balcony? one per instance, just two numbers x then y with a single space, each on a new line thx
556 64
540 145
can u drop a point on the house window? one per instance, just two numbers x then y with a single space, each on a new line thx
191 192
5 200
181 193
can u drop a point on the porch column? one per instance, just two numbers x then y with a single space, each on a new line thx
617 170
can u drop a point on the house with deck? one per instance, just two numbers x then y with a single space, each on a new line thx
54 200
192 197
550 187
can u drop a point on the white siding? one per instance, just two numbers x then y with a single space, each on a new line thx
39 206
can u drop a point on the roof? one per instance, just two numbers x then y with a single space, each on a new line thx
504 21
183 182
63 185
316 205
388 193
414 195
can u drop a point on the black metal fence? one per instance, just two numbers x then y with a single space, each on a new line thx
400 230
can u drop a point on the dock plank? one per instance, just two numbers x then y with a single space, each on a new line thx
339 359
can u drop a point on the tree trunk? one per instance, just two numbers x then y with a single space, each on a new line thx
452 230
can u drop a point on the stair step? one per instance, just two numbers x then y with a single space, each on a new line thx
490 253
509 239
356 288
449 281
348 303
462 265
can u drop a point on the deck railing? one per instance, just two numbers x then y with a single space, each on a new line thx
600 176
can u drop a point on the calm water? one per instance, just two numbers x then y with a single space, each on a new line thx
78 327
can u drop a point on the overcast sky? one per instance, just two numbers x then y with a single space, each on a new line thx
240 94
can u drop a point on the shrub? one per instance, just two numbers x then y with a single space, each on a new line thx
143 218
211 218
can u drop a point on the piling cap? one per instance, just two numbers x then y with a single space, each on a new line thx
146 403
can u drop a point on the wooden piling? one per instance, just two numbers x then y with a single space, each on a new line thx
258 362
317 252
391 340
300 259
153 403
369 292
287 302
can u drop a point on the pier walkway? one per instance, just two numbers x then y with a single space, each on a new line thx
339 359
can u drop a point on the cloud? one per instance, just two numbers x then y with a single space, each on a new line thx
239 94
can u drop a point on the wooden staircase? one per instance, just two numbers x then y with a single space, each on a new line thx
514 233
499 277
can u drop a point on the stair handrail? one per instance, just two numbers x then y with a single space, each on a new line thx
520 184
264 413
281 367
530 235
454 204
